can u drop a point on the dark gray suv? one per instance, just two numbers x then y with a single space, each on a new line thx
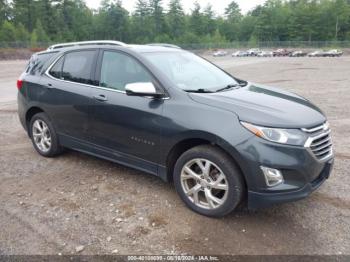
224 142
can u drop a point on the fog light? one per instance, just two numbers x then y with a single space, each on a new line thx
273 177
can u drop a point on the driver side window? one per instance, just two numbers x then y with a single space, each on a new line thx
118 70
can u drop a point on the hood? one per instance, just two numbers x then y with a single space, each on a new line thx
265 106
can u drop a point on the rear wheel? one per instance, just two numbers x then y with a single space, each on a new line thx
43 136
208 181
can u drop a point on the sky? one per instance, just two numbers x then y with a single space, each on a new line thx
218 5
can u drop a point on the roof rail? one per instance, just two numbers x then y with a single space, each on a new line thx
164 45
98 42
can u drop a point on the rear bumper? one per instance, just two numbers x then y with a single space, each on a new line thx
22 110
258 200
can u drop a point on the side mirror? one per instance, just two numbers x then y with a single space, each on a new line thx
142 89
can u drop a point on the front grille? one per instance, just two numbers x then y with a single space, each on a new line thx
322 147
320 142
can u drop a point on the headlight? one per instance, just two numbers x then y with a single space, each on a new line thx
283 136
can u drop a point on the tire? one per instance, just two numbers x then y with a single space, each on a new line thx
219 163
46 142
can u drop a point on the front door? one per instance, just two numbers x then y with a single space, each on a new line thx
125 127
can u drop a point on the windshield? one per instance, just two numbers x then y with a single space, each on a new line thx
190 72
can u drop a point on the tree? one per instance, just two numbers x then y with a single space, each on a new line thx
47 16
157 14
7 32
233 12
176 19
3 11
113 21
23 13
22 34
303 23
141 22
275 20
209 22
246 28
340 16
39 36
196 20
218 38
231 26
142 8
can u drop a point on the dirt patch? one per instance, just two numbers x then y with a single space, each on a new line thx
334 201
127 210
342 155
157 220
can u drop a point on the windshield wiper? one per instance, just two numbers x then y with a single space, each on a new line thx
200 90
232 86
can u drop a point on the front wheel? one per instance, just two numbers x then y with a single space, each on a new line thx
208 181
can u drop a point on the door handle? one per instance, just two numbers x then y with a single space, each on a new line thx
101 98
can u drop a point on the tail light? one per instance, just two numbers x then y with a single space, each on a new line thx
19 84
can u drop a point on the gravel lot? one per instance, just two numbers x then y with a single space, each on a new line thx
77 203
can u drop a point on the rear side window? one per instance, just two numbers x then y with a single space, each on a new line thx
56 70
77 67
37 62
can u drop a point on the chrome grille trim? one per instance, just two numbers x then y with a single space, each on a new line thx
322 147
324 151
320 144
325 126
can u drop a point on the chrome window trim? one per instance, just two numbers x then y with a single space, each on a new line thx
47 73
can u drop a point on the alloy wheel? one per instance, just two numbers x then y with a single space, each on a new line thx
204 183
41 135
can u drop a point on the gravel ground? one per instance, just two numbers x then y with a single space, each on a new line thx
79 204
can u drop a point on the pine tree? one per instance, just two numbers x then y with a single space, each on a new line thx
23 12
209 20
142 8
233 12
47 16
176 18
196 20
157 14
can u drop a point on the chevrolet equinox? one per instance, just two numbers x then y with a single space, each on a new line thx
222 141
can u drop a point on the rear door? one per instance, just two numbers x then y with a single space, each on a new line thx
125 127
68 92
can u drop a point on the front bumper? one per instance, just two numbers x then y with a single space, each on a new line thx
258 200
302 172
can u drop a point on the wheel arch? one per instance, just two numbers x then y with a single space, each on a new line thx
30 113
186 143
